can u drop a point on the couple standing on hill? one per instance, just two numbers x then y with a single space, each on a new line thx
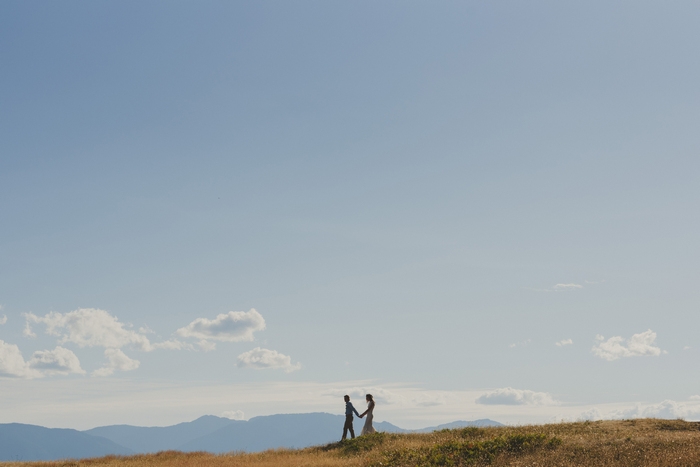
349 409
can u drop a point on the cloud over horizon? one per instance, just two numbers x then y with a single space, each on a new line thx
116 360
639 345
667 409
12 362
260 358
234 414
43 362
511 396
57 361
234 326
91 327
569 286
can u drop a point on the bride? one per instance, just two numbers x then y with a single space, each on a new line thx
368 428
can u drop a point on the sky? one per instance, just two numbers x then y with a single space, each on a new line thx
470 209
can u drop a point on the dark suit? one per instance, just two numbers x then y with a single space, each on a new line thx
349 409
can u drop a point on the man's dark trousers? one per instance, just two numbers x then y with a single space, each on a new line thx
348 426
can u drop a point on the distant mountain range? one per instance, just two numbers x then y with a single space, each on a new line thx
20 442
208 433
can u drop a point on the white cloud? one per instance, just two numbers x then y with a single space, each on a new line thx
564 342
639 345
510 396
667 409
591 414
429 400
172 344
206 346
264 358
567 286
116 360
234 414
90 327
520 344
3 320
27 331
43 362
560 287
234 326
12 363
694 398
57 361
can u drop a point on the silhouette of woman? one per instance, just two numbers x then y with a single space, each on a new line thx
368 428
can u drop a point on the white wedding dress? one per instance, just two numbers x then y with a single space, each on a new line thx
368 428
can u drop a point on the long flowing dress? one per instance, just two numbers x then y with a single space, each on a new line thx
368 428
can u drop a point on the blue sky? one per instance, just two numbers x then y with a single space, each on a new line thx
417 199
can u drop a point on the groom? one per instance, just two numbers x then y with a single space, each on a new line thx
349 409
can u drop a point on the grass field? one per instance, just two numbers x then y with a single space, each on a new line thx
646 442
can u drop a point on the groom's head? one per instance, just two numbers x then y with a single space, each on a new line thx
347 398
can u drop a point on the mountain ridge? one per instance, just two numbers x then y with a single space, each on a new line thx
22 442
153 439
207 433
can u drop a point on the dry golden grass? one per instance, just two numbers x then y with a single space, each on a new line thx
658 443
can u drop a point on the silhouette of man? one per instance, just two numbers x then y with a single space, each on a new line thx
349 409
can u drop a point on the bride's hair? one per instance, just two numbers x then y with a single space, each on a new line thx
369 396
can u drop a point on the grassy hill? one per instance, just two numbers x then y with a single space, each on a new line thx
646 442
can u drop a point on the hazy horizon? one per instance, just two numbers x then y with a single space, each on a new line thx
471 210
